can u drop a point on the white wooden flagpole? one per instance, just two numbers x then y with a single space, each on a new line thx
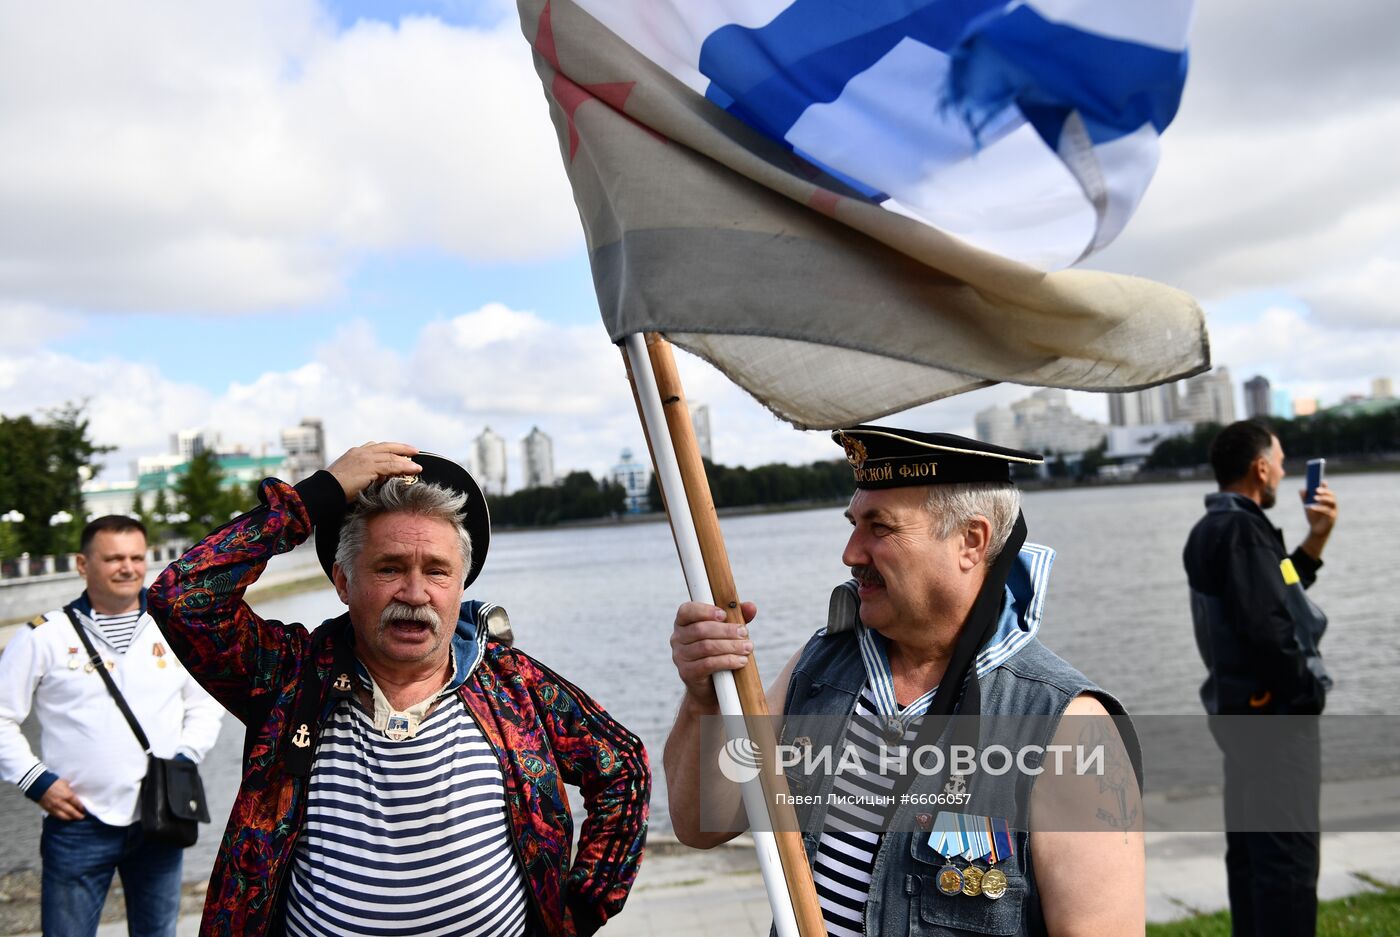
693 565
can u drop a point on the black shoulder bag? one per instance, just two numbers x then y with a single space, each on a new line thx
172 795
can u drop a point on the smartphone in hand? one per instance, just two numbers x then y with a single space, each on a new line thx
1316 469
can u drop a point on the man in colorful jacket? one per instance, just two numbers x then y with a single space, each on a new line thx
400 774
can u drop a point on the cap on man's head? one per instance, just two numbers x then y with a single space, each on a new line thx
436 471
886 457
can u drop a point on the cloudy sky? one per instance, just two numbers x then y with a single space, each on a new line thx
236 215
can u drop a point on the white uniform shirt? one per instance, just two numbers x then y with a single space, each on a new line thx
83 736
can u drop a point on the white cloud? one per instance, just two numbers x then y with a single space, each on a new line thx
220 157
1277 172
30 325
1308 357
495 366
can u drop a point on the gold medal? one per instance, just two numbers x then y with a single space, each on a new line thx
994 883
950 880
88 668
972 881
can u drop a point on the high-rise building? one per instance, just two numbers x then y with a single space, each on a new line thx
488 462
634 478
1042 422
1282 406
1304 406
537 451
1209 398
1382 388
700 421
997 425
1045 423
1258 400
305 445
188 443
1148 407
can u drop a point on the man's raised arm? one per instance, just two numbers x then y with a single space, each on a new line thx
198 600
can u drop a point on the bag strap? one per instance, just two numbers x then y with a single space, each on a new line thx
96 661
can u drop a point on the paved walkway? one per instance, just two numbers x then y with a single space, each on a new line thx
684 893
717 894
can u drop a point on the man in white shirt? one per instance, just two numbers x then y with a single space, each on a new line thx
90 774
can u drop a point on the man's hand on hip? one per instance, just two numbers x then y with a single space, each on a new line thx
61 803
362 466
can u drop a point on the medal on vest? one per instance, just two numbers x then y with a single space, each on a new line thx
994 883
158 652
73 662
972 881
950 880
976 839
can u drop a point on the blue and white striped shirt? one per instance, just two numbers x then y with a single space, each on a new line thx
407 837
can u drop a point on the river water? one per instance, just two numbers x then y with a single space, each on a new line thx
596 604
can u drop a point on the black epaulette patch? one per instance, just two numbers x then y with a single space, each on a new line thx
38 620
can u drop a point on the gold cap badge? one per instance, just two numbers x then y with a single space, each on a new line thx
855 450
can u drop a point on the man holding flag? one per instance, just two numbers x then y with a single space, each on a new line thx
945 594
851 210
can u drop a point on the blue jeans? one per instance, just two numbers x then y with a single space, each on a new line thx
79 859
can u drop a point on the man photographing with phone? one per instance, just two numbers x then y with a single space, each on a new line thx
1258 635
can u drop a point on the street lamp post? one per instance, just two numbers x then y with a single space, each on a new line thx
9 541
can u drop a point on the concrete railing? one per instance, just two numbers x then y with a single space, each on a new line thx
38 584
26 568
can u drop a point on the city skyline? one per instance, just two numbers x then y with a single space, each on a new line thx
323 248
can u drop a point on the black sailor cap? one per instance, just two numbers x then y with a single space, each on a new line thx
440 471
887 457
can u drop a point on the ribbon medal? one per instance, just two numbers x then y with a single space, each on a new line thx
158 652
975 839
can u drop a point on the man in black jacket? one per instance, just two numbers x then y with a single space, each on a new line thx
1258 634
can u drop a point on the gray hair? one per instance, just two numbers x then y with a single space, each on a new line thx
953 507
392 496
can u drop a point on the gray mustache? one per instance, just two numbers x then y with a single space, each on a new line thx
866 576
399 611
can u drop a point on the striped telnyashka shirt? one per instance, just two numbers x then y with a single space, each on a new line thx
407 837
118 629
846 850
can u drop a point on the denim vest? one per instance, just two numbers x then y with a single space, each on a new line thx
904 899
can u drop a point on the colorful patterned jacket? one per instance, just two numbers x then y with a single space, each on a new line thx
546 732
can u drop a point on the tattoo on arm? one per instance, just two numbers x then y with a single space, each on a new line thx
1117 783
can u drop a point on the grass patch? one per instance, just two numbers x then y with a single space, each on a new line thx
1369 914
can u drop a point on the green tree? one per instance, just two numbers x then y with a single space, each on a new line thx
1188 451
199 493
1093 459
160 510
45 464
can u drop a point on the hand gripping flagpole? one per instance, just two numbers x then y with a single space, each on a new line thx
705 564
